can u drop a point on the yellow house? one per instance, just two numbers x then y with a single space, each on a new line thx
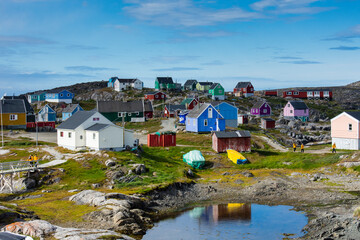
203 86
13 113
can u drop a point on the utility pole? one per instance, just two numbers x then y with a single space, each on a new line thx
2 126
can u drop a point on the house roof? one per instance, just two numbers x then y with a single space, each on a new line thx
205 83
12 106
112 79
118 106
190 82
216 103
70 108
76 120
213 86
127 80
355 114
242 84
152 93
50 108
187 101
258 104
11 236
37 93
233 134
97 127
148 107
56 91
199 109
28 106
268 119
173 107
298 105
165 79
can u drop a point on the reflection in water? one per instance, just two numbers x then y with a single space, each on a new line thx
230 221
214 213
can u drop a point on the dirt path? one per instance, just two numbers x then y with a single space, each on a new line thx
273 144
168 125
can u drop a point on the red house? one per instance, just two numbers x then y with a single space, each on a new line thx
308 94
245 89
271 93
190 103
155 96
267 123
237 140
148 110
173 110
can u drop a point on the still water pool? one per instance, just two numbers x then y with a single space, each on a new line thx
231 221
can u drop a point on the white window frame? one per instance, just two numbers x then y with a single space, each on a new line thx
129 114
13 117
288 93
210 113
350 127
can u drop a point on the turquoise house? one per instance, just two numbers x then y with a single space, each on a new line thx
47 114
70 110
36 97
204 118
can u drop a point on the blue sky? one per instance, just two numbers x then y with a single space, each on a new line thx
273 43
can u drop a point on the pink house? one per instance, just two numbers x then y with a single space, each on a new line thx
296 110
345 130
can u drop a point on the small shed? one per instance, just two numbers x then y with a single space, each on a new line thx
267 123
166 139
243 119
237 140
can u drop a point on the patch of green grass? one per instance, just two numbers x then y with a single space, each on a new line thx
194 139
151 125
88 105
250 127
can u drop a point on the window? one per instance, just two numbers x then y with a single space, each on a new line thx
156 96
162 96
194 122
69 134
210 113
220 91
296 93
291 111
120 114
94 136
205 122
13 117
265 110
137 113
61 134
350 127
61 95
188 121
289 93
68 94
129 114
81 137
289 105
304 110
96 119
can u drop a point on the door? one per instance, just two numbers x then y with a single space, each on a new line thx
210 112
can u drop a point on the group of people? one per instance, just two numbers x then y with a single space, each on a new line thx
333 147
33 160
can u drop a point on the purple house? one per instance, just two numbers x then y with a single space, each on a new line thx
261 109
296 110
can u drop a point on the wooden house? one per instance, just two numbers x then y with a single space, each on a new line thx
261 109
70 110
171 110
165 83
190 103
204 118
244 89
267 123
345 129
13 113
217 92
203 86
90 129
243 119
132 111
46 114
38 96
229 113
309 94
121 84
59 95
296 110
237 140
190 85
111 82
271 93
30 113
155 96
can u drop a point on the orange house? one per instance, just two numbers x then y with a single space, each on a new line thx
13 114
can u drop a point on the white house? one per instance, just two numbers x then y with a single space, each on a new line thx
121 84
90 129
345 130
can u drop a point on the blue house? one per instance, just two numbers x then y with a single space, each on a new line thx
47 114
36 97
204 118
229 112
70 110
111 82
59 96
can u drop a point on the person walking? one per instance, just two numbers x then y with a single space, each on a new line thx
302 148
294 147
334 148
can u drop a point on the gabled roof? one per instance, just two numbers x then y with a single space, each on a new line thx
57 91
190 82
355 114
28 107
165 80
217 103
12 106
37 93
187 101
268 119
199 109
299 105
242 84
258 104
233 134
47 106
112 79
76 120
127 80
97 127
148 107
118 106
70 108
205 83
153 93
173 107
213 86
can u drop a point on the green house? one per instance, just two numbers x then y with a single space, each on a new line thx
164 83
217 92
117 111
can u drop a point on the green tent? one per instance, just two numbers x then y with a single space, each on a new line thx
194 158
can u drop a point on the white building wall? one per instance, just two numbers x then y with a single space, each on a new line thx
137 84
92 142
111 137
65 141
129 138
346 143
59 100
